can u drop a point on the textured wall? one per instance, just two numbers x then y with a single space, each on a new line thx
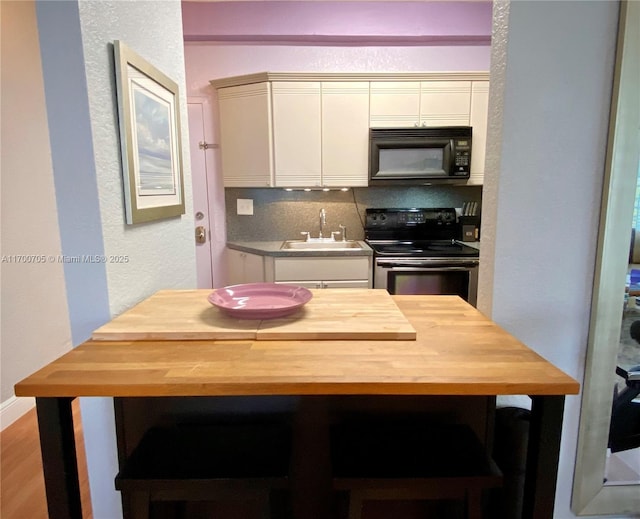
161 254
355 22
557 92
212 61
76 45
493 155
35 320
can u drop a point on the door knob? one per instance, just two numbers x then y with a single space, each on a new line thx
201 234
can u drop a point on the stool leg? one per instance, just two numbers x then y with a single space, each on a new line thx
355 504
264 502
140 502
474 504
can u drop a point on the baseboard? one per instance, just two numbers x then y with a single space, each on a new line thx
14 408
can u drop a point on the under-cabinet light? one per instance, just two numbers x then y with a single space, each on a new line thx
325 189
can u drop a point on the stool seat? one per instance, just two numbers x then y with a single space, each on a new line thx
206 463
411 461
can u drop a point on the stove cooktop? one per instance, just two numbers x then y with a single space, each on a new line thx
416 232
422 248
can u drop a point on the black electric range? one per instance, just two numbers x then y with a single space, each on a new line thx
416 251
413 232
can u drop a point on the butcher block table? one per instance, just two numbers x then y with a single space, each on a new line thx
445 348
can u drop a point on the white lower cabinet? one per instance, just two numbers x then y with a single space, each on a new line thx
244 267
322 272
363 283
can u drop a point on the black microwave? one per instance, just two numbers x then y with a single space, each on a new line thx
419 156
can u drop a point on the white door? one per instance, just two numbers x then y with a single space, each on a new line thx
202 230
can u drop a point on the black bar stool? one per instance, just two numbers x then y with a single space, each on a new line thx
410 461
206 463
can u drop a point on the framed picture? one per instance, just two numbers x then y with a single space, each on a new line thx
149 115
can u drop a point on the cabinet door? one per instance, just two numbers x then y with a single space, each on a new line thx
305 284
296 134
357 283
328 269
345 134
245 135
394 104
244 267
479 121
445 103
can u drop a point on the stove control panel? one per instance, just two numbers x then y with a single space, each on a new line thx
405 218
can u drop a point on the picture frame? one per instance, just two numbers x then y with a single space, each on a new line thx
150 139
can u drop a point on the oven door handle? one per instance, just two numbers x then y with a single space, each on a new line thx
425 266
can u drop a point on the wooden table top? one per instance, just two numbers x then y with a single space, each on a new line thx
458 351
347 313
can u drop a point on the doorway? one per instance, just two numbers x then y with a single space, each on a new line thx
201 161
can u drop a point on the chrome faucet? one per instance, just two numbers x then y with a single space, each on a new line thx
323 221
343 231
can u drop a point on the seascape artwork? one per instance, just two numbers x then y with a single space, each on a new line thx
153 131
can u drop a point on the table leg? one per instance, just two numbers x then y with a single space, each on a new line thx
311 466
59 460
543 452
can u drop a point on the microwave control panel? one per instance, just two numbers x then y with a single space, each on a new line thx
462 157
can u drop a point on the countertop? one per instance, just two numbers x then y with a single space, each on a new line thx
272 248
458 351
474 244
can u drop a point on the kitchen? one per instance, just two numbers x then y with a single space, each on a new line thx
521 240
348 37
296 122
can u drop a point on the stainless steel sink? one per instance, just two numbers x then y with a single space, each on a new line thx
318 245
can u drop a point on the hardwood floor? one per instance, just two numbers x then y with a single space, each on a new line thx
22 494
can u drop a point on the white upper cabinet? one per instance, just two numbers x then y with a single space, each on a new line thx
478 121
445 103
312 129
394 104
297 133
320 133
345 133
245 135
406 104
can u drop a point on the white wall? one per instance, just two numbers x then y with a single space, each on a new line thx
161 254
206 62
76 45
555 61
35 319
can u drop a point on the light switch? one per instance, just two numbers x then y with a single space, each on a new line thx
245 206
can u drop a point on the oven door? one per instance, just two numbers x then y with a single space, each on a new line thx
426 276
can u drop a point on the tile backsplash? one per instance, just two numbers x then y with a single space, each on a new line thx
283 215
